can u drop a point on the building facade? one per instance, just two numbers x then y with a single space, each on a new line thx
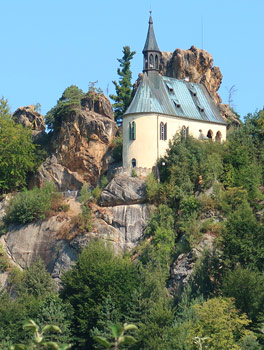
163 106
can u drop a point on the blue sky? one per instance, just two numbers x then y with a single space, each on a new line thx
48 45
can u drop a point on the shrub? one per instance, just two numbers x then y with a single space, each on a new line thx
133 173
104 181
4 262
29 206
96 193
117 148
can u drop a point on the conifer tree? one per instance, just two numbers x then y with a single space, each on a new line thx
123 87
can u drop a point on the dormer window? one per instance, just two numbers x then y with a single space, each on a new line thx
177 103
193 90
169 86
200 107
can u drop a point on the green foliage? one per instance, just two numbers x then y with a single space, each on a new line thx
117 150
17 151
103 181
39 339
68 102
188 163
242 239
97 274
161 230
124 87
96 193
218 323
53 310
28 206
118 333
133 173
247 289
249 342
4 261
153 189
85 194
37 281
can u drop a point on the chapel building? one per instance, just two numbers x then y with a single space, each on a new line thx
163 106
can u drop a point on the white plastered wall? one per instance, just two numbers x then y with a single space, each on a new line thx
148 147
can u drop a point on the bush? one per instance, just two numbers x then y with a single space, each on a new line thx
117 148
104 181
29 206
4 261
96 193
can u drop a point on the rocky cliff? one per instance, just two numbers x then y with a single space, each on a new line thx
120 223
80 147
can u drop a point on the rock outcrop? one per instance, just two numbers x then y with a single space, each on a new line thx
183 267
30 118
194 64
119 223
80 145
124 190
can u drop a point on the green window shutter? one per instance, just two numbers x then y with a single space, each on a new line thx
134 130
165 131
130 132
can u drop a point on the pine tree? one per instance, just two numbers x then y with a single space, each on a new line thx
123 87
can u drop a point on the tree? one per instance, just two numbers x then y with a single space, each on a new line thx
99 273
118 333
17 151
247 287
218 324
124 87
69 101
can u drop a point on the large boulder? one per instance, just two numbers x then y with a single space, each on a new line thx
29 117
124 190
80 146
52 171
32 119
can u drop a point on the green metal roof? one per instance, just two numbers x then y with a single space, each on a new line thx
179 98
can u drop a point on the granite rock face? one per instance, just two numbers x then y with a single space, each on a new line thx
80 145
183 267
29 117
195 64
124 190
121 225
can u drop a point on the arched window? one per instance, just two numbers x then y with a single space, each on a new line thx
132 131
218 136
151 61
163 131
210 134
146 63
134 163
156 62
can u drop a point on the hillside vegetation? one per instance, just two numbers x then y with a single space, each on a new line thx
205 188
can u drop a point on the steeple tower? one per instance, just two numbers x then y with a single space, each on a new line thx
151 50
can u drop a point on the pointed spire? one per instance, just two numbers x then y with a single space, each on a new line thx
151 43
